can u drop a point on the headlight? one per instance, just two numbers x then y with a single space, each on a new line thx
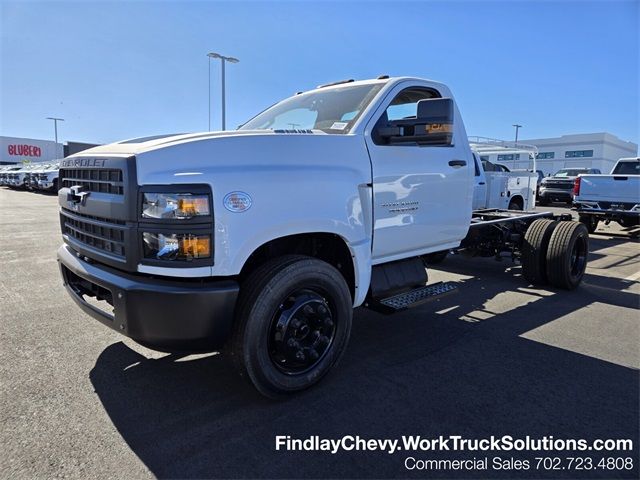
174 205
176 246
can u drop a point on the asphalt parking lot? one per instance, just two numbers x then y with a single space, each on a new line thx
77 400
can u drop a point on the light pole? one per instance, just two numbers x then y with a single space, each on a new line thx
223 59
518 127
55 128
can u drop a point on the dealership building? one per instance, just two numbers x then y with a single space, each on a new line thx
583 150
18 150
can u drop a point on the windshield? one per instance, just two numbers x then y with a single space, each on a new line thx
627 168
569 173
332 110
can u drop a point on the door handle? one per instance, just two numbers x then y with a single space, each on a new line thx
457 163
481 183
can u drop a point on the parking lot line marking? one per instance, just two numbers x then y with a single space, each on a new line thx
634 277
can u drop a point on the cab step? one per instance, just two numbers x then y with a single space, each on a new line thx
414 297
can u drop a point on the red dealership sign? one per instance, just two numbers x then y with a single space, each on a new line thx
24 150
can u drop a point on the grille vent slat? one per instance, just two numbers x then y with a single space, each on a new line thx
100 233
94 180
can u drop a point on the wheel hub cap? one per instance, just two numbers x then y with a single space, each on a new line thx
301 332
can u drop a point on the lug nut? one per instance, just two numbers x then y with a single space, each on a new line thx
308 310
313 354
300 356
324 340
295 323
292 343
322 310
328 322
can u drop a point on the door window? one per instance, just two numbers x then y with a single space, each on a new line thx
403 106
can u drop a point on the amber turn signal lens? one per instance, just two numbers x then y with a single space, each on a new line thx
176 246
196 247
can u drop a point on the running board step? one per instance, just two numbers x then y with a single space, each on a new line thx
414 297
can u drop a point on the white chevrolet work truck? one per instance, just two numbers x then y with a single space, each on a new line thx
261 241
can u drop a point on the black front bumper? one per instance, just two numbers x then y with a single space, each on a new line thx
555 195
166 315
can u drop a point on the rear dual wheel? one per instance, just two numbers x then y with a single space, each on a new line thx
567 255
293 324
555 252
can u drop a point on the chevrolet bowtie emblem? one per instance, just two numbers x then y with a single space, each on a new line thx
77 195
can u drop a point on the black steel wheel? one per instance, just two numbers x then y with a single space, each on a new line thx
302 331
293 321
567 255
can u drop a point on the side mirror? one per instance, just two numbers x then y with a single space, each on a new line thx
433 125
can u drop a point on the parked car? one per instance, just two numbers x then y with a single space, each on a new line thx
614 197
48 178
18 179
559 187
33 175
266 251
6 174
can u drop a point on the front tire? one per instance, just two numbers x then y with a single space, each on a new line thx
292 326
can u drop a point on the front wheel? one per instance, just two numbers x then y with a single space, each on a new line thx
293 324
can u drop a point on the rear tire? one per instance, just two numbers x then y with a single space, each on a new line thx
589 221
534 250
567 255
292 325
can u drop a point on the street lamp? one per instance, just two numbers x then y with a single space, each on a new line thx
55 128
518 127
223 59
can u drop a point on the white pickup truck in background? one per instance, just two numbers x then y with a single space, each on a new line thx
500 186
614 197
503 189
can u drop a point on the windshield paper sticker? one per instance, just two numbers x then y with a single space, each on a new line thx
339 125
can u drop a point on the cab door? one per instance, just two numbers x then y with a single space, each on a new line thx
422 194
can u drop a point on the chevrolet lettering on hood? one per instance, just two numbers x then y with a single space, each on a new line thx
83 162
